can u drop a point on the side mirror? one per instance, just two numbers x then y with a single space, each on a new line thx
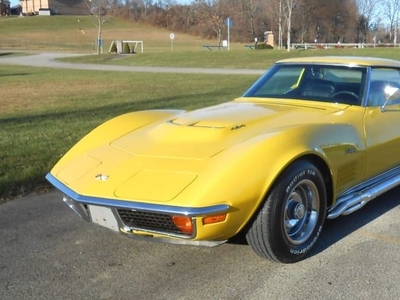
391 94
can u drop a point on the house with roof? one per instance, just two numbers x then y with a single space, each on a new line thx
57 7
5 9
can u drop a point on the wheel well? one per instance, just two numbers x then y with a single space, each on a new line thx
326 174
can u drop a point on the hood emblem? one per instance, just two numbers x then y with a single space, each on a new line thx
101 177
350 151
236 127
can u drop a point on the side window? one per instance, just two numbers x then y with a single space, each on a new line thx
384 82
334 84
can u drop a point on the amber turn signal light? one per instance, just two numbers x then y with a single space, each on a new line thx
214 219
183 223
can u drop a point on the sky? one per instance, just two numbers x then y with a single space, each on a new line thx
14 2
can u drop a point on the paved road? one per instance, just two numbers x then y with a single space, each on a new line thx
49 60
46 252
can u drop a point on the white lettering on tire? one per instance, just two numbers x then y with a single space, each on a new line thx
309 246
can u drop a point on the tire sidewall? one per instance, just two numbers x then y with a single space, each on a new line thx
282 247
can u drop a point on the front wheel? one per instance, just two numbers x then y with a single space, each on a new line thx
291 219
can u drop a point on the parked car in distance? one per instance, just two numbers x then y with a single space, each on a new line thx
313 138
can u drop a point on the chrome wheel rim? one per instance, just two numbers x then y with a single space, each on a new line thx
301 212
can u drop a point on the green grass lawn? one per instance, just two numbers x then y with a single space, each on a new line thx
239 58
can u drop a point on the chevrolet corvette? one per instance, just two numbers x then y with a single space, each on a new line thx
313 138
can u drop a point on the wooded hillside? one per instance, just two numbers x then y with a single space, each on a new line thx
292 21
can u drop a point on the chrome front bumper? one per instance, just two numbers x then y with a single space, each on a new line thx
104 212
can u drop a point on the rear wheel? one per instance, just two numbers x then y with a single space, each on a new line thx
291 219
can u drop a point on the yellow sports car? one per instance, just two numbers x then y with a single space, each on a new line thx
313 138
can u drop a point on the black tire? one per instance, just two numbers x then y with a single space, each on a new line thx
291 219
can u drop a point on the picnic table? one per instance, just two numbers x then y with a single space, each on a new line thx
250 46
211 47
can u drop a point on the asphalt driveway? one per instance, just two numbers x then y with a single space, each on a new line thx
47 252
49 60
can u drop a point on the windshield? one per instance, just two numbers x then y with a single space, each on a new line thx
336 84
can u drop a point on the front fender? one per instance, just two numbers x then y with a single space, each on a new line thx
112 129
242 175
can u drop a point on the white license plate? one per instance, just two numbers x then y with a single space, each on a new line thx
104 217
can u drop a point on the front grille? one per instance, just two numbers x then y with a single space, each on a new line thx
149 221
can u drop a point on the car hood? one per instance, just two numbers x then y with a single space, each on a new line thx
203 133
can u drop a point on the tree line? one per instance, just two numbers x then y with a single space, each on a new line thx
291 21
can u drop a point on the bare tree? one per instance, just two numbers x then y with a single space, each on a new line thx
305 17
391 12
288 7
276 10
102 11
368 10
250 8
145 4
340 19
212 16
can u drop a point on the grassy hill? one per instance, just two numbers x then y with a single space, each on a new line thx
79 33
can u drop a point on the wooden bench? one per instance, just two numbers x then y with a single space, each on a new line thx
211 47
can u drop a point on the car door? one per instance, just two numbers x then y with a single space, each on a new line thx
382 125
